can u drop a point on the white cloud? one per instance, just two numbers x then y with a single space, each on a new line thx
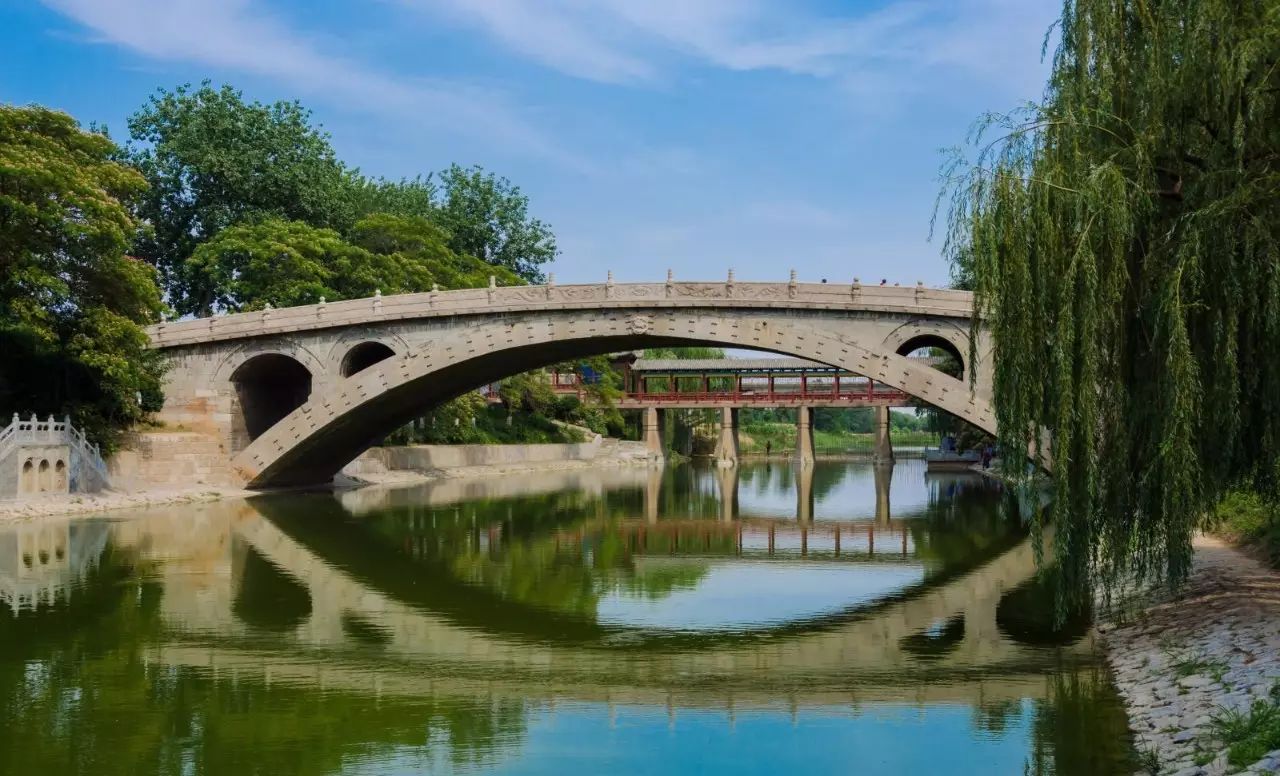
235 35
621 41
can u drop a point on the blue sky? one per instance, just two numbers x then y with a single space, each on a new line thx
699 135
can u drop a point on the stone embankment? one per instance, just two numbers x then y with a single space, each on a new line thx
181 467
414 463
1187 664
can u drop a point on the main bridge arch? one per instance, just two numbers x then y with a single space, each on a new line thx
444 344
312 443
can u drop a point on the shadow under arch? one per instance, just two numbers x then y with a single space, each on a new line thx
268 387
364 355
314 442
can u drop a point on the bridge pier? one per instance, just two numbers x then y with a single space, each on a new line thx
653 496
727 445
884 445
804 495
653 433
804 437
728 481
883 478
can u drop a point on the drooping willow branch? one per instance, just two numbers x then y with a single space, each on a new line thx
1121 240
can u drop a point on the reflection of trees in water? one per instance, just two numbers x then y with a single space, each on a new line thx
1081 727
1029 613
76 696
562 551
826 478
960 524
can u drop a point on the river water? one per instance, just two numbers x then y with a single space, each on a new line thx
846 619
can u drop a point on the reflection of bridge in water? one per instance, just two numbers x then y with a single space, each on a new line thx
872 655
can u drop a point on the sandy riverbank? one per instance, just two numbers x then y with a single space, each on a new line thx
1211 650
86 503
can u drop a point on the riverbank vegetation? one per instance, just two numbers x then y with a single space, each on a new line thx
1122 237
72 302
216 205
1250 519
834 431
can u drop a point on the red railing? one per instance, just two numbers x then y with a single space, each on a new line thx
879 393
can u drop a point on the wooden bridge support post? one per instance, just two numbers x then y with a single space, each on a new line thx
804 436
653 433
727 446
884 445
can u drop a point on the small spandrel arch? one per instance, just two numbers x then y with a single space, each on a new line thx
363 356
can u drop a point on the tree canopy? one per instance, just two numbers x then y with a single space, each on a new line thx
487 217
286 263
270 176
1121 236
72 303
212 160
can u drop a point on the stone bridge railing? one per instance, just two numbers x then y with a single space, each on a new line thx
914 300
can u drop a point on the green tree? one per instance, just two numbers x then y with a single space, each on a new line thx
487 217
407 197
421 243
211 160
286 263
1124 240
72 304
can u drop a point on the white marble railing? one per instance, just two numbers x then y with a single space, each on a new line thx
34 431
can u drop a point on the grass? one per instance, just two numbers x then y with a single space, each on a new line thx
1197 665
1246 517
1149 760
1249 735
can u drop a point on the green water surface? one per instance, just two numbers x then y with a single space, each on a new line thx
840 619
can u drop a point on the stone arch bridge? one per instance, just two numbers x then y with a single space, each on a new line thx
294 394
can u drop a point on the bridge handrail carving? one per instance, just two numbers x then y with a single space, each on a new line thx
912 300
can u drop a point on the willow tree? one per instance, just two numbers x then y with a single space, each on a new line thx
1121 238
